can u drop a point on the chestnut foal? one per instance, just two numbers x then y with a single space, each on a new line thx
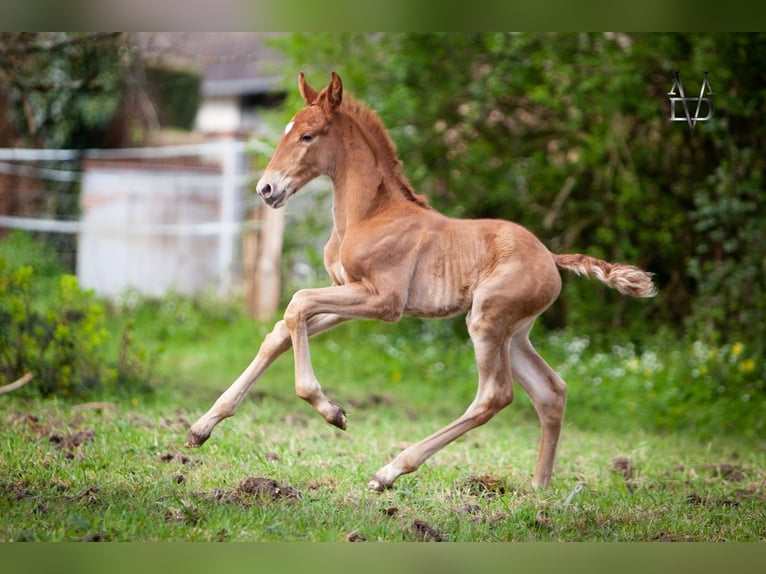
390 255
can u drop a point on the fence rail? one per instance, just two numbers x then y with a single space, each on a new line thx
119 220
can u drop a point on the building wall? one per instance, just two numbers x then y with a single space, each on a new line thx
141 230
219 114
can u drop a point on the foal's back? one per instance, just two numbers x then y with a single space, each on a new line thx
446 260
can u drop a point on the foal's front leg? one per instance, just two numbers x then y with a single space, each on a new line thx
275 343
350 301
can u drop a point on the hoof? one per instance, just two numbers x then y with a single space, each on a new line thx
195 439
339 418
376 485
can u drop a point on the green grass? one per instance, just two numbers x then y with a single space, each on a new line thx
120 472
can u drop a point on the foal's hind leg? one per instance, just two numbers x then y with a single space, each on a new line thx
491 345
548 394
275 343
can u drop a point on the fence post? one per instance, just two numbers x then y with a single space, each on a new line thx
228 214
266 288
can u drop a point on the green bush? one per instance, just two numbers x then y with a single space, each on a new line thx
54 329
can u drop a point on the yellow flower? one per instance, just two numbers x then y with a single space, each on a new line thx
747 366
736 349
134 401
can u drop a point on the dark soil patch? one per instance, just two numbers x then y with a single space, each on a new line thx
71 441
729 472
621 464
179 458
15 491
669 537
424 533
88 496
487 486
356 537
697 500
256 489
266 487
71 444
91 538
391 511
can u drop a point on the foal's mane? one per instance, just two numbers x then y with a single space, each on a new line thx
378 137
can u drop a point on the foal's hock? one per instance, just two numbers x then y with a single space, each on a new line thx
390 254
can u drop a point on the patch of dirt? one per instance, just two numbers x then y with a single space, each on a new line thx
71 444
668 537
468 508
88 496
255 488
697 500
71 441
487 486
266 487
179 458
187 514
29 419
543 521
621 464
729 472
424 533
356 537
15 491
91 538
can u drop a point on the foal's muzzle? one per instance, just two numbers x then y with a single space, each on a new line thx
271 195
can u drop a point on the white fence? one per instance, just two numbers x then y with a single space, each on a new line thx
146 223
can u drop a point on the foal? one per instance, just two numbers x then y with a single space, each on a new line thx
390 255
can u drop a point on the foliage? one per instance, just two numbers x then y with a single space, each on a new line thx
60 87
52 328
569 135
661 386
177 93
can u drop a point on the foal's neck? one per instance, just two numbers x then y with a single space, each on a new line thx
361 186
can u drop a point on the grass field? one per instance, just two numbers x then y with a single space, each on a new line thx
116 469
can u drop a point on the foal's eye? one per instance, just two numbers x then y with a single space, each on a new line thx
307 138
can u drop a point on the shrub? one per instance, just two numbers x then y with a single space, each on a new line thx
54 329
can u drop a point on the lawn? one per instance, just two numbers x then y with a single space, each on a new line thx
116 469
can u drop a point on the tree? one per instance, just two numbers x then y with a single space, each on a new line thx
569 134
58 88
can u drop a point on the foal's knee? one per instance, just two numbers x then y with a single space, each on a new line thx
296 310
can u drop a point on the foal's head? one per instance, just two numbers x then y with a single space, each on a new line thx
303 152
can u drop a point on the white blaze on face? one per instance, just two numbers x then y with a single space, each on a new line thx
289 126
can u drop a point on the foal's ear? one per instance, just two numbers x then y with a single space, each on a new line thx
308 93
331 97
335 92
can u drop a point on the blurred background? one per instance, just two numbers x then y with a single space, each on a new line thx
131 158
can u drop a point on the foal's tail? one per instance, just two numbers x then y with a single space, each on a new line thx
627 279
